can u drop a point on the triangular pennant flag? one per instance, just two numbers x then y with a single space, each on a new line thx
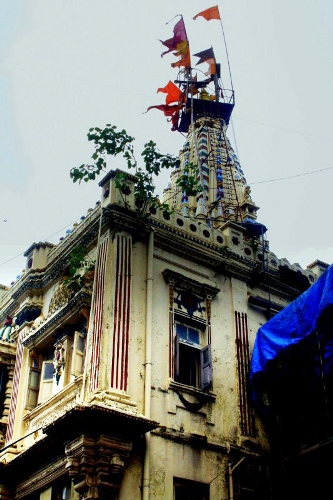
205 55
208 14
179 35
179 45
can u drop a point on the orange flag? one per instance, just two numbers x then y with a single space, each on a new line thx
208 14
174 94
185 61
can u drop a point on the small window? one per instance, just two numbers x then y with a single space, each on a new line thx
193 365
47 381
78 354
33 388
48 370
187 333
190 490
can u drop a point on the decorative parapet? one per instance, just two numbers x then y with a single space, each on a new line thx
318 267
35 280
48 412
123 196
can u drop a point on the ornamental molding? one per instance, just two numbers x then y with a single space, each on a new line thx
54 413
181 281
167 236
80 300
41 480
54 408
194 440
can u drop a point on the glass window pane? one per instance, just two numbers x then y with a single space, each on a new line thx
193 335
181 331
48 371
80 343
32 398
34 379
205 356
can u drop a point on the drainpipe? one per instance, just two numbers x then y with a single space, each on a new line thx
231 481
148 364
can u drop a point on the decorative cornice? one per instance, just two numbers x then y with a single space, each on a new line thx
40 480
182 281
102 419
7 353
204 443
167 236
41 244
112 174
81 299
192 439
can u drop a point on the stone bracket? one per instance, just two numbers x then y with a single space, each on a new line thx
96 465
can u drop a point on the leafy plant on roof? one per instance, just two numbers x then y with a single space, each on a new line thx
78 262
111 142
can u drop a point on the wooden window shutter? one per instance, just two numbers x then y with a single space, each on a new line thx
206 367
176 357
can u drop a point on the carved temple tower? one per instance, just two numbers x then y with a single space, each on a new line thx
225 195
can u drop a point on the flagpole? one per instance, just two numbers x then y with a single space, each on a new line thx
226 50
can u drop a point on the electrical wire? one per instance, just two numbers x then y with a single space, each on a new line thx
47 238
291 176
285 128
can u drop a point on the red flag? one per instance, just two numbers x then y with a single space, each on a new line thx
174 94
172 111
174 121
167 110
208 14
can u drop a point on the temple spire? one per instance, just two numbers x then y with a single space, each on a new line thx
224 193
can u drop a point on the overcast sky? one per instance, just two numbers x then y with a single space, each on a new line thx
69 65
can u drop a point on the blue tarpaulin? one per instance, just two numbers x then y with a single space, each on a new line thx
292 326
253 228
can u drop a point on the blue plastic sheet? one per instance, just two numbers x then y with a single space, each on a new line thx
292 325
253 228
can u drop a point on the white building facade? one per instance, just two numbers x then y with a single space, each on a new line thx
130 379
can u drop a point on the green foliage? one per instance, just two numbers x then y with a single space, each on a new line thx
78 261
109 141
188 182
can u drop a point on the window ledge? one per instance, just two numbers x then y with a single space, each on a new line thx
193 391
